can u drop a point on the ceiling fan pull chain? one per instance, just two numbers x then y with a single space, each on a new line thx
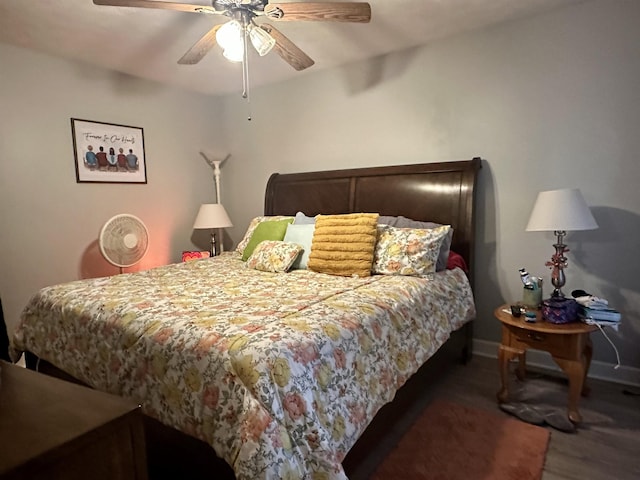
245 73
245 60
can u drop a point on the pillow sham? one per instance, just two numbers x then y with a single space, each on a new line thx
302 235
271 230
344 244
404 222
274 256
252 226
408 251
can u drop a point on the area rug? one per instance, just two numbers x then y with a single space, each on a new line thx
455 442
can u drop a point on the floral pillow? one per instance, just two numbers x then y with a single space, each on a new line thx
274 256
252 226
404 222
408 251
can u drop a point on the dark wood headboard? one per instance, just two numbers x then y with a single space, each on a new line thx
437 192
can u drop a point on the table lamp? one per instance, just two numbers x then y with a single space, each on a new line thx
560 211
212 215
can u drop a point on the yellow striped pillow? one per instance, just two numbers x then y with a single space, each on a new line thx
344 244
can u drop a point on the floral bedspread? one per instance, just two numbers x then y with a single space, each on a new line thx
280 373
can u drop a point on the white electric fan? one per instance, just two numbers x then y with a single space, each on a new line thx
123 240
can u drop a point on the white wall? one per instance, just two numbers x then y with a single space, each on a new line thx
49 222
548 102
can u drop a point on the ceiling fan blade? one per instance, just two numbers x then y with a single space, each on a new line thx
359 12
183 7
289 52
200 48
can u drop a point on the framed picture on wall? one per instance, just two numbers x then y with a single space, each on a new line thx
106 152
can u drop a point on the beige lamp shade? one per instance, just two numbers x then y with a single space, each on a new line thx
212 215
561 210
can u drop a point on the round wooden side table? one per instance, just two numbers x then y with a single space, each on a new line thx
569 344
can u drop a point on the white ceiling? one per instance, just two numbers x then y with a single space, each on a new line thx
148 42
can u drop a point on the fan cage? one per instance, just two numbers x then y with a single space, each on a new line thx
124 240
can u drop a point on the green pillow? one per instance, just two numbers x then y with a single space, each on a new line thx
268 230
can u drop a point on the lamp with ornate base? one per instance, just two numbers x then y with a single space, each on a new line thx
560 211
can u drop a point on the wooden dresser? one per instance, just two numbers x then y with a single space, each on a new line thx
54 429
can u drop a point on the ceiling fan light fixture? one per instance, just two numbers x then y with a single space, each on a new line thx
234 54
240 25
230 36
261 40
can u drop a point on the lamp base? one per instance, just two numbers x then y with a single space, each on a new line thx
212 250
557 264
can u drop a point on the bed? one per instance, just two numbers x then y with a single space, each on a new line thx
282 374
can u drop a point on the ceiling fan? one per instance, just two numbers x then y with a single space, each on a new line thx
231 35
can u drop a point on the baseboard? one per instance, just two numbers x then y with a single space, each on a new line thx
600 370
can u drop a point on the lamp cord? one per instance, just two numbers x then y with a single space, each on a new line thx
597 324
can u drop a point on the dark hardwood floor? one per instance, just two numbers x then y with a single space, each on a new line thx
605 446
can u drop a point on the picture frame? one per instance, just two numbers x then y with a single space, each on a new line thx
108 152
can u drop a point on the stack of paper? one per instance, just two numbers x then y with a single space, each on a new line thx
596 310
600 314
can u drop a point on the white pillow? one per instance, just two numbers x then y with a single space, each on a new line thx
302 219
302 235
